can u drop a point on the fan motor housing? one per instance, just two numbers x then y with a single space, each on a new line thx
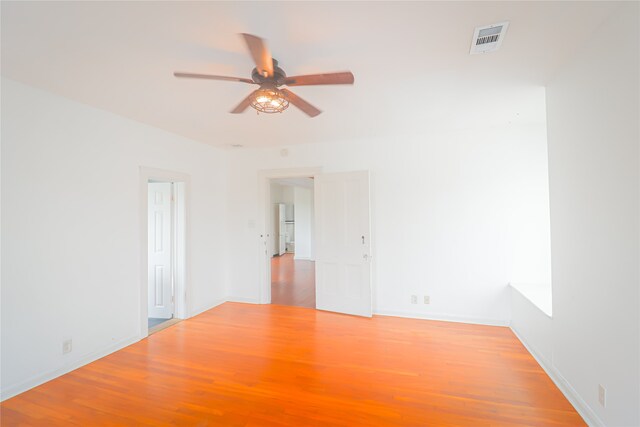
278 75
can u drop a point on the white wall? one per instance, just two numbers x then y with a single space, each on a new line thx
533 326
455 215
302 199
286 195
276 193
593 135
71 230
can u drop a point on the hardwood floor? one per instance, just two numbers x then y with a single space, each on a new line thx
272 365
293 281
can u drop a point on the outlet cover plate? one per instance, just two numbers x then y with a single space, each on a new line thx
67 346
602 395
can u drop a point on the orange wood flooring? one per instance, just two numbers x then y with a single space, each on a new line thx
293 281
272 365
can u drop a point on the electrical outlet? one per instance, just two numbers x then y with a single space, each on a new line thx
66 346
602 395
427 300
414 299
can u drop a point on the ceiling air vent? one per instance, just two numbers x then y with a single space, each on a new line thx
488 38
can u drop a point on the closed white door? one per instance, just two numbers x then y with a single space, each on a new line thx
160 274
282 241
343 258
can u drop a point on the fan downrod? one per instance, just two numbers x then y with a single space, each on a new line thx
278 75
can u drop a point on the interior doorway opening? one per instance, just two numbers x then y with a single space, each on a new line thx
162 254
341 248
291 242
163 212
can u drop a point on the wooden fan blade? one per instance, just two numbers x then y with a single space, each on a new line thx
300 103
342 78
212 77
260 54
244 104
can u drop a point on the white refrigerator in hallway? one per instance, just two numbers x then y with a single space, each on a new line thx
281 215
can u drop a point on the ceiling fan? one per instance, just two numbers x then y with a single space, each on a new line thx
269 98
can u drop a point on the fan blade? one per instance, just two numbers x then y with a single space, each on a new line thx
212 77
343 78
260 54
300 103
244 104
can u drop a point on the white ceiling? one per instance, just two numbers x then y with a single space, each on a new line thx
411 63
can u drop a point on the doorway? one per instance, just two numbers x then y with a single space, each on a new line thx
161 254
341 248
291 242
164 241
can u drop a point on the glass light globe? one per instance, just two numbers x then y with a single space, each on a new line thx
269 100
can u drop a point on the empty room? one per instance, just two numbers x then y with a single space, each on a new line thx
320 213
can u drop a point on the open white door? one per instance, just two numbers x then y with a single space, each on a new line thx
343 268
160 257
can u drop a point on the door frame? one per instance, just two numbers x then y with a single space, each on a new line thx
264 207
180 218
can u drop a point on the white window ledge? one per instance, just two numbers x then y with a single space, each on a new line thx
538 294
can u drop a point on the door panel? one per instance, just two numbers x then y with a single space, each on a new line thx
160 273
343 266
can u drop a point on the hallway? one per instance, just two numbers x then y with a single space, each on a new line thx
293 281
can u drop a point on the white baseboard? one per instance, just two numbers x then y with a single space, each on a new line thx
301 258
244 300
209 307
567 389
443 317
36 380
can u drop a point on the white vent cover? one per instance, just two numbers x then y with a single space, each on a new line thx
489 38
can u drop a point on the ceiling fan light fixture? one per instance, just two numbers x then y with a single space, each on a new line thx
269 76
269 100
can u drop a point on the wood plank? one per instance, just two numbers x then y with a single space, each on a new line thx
293 281
272 365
